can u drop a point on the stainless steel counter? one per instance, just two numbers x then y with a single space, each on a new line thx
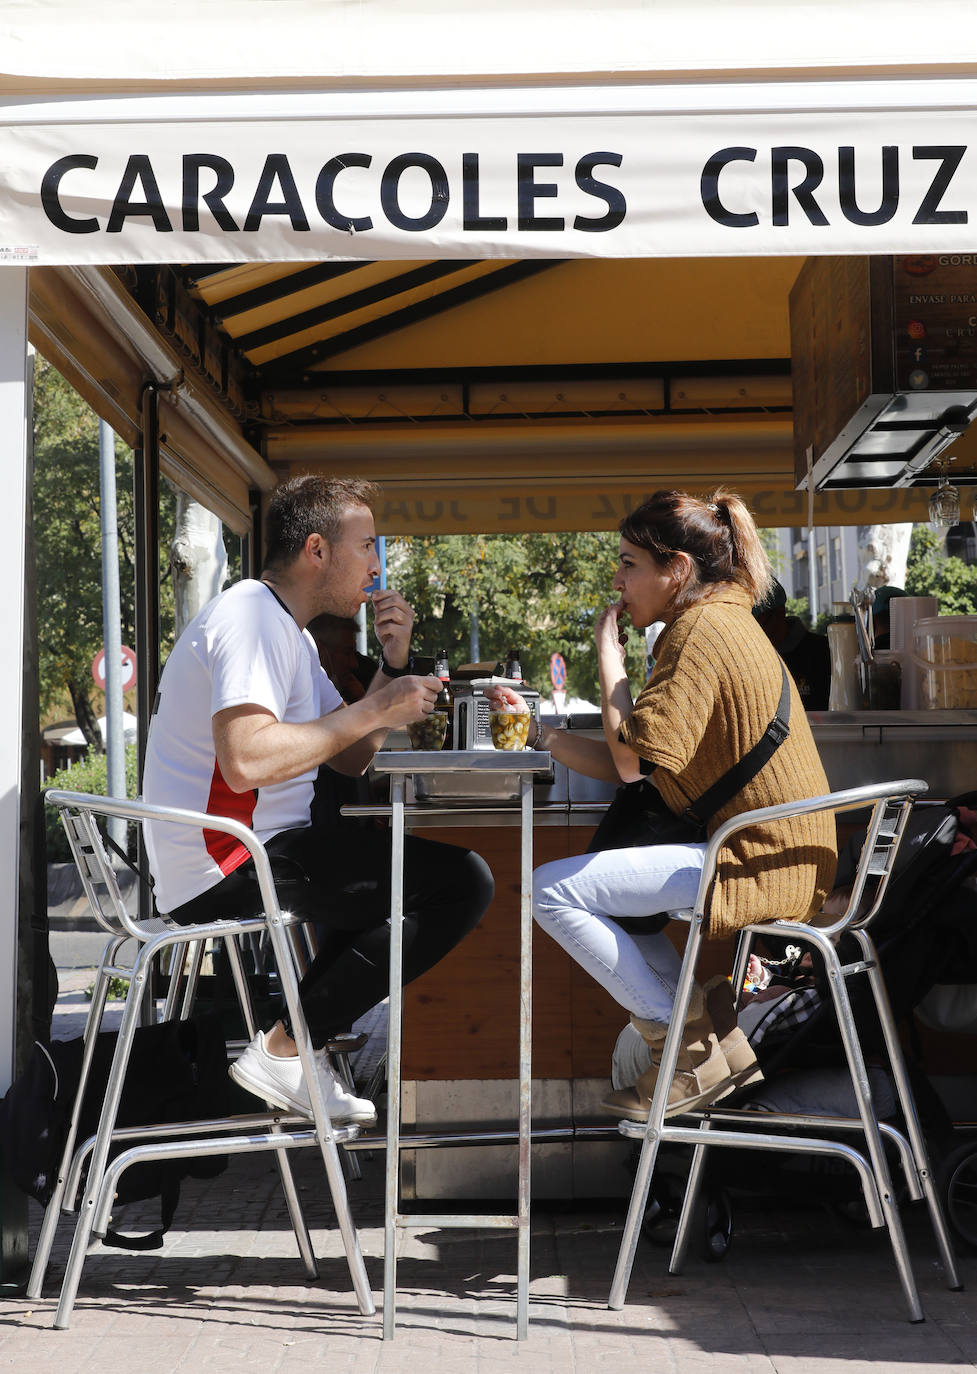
856 747
867 746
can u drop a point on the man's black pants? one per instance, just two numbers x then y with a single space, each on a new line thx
339 876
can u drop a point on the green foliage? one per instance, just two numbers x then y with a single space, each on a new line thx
768 538
88 775
68 540
799 606
540 593
930 572
117 992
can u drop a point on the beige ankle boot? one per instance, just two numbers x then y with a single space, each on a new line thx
743 1066
701 1071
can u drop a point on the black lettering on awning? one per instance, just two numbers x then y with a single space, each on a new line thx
472 218
709 189
890 187
780 188
390 192
325 193
276 169
51 194
528 191
617 206
193 165
139 171
950 157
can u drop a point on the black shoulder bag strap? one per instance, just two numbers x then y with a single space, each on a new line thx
715 797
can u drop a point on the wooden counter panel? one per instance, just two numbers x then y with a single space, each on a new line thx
461 1019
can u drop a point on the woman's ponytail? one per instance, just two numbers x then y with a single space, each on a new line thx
750 561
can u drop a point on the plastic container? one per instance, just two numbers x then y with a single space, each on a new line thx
946 687
845 693
945 662
904 611
947 639
909 695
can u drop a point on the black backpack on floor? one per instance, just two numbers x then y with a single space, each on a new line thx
177 1072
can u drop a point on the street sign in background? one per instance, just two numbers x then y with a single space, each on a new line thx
558 672
128 669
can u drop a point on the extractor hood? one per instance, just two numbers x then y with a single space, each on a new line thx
884 366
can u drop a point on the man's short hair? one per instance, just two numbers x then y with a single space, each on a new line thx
311 505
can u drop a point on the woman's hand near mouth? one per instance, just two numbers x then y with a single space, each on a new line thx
609 631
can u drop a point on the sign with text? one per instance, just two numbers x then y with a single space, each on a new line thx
176 180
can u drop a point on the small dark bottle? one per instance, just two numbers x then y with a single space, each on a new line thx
445 699
513 668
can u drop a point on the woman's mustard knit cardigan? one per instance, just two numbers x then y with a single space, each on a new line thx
712 694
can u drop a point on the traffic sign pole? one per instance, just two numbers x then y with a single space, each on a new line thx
558 677
111 629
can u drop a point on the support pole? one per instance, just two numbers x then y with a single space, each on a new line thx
15 807
146 501
112 629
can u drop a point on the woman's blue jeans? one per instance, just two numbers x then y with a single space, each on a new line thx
579 902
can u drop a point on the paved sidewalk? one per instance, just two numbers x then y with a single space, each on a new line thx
801 1292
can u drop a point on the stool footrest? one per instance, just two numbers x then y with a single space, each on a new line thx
475 1222
860 966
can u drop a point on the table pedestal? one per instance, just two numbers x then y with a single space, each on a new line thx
399 766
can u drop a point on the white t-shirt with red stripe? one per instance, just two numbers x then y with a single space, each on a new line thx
242 648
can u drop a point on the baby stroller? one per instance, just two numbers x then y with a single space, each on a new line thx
926 936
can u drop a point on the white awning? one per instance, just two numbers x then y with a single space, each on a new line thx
74 736
717 170
443 41
223 131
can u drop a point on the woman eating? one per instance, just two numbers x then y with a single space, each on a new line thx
716 690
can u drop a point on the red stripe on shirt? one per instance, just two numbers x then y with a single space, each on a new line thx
227 852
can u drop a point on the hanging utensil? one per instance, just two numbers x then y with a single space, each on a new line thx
861 630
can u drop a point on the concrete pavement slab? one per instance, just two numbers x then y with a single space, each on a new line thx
801 1292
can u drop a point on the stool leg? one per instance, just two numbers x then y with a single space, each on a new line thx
693 1186
177 963
350 1163
866 1109
910 1115
295 1213
656 1116
327 1141
632 1226
193 978
49 1225
103 1139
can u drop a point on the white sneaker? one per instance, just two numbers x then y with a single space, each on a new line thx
341 1105
281 1082
274 1079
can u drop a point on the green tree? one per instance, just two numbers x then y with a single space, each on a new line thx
540 593
930 572
68 540
89 775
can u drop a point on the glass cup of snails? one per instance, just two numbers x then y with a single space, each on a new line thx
429 732
510 729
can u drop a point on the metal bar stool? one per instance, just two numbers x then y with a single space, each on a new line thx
742 1129
273 1130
